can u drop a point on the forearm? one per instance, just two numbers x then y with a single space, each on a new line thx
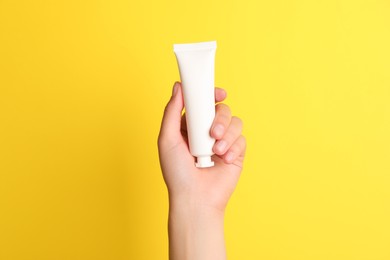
195 233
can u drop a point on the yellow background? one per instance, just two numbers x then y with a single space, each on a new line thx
83 85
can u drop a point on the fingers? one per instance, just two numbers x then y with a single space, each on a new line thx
226 129
229 137
221 121
220 94
236 150
170 126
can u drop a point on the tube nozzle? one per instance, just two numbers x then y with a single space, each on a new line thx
204 162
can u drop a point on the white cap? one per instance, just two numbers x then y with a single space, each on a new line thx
204 161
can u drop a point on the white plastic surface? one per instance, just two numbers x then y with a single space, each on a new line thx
204 162
196 67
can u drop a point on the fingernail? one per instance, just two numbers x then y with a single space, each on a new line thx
218 130
175 87
221 145
229 157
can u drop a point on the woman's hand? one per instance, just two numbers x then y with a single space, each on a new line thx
198 196
202 186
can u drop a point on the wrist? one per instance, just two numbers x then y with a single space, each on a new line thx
198 211
194 204
195 231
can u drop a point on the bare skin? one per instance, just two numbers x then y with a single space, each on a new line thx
198 196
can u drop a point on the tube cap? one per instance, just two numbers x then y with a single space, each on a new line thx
204 162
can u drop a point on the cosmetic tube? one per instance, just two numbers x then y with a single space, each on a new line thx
196 67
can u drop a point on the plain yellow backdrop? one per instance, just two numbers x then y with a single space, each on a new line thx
83 85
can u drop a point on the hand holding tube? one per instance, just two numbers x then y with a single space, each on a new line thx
198 196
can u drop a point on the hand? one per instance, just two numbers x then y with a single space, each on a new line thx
211 187
198 197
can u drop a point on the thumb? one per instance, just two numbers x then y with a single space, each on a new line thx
171 122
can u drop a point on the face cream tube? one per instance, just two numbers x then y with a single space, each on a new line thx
196 67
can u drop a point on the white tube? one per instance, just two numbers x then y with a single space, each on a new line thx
196 66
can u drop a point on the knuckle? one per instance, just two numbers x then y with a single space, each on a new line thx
243 138
223 114
223 108
237 121
238 146
243 142
224 119
235 148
